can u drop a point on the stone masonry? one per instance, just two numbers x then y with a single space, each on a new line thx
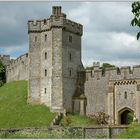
56 76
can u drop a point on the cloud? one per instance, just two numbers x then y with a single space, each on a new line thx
107 35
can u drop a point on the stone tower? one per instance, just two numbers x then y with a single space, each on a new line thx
54 60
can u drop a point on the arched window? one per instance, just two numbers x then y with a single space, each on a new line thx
125 95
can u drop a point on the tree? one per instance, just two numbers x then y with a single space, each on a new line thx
2 74
136 12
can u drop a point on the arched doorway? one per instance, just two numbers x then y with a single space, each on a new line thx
126 116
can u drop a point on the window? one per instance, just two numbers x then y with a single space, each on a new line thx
45 38
70 72
35 38
45 21
45 72
45 55
70 39
44 90
70 56
125 95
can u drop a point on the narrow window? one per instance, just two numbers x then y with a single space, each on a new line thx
45 38
70 56
44 90
70 39
125 95
45 72
35 38
45 55
70 72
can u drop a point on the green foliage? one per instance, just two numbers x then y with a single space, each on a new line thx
77 120
66 121
100 117
15 112
99 136
107 65
89 68
104 65
133 131
130 117
2 74
136 12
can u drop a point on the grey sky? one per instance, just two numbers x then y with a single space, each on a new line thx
108 36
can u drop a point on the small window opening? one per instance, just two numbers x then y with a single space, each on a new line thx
45 90
70 73
35 38
125 95
45 72
45 38
70 56
45 55
45 21
70 38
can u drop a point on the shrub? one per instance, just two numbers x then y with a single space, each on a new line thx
100 117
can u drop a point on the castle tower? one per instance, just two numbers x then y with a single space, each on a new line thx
54 60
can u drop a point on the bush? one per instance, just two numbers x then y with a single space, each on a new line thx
100 117
67 121
133 131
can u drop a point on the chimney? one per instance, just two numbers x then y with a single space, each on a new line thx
56 10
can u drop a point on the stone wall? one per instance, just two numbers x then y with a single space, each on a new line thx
52 80
17 69
105 91
5 59
69 132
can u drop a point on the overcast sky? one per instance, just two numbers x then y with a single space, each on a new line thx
108 36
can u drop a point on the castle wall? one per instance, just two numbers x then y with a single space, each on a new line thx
71 65
46 63
17 69
54 83
5 59
104 95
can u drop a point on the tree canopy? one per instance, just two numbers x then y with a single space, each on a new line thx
136 20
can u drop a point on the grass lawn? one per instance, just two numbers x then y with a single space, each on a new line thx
133 131
77 120
16 113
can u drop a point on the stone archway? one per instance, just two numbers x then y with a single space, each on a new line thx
126 116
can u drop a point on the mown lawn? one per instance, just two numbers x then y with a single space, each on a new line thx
16 113
77 120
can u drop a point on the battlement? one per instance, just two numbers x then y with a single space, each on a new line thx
16 62
5 59
113 72
57 19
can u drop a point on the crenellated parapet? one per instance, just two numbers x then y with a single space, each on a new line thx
5 59
56 20
113 73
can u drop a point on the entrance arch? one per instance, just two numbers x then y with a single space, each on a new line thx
126 116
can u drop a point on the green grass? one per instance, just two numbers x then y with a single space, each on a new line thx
16 113
133 131
77 120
